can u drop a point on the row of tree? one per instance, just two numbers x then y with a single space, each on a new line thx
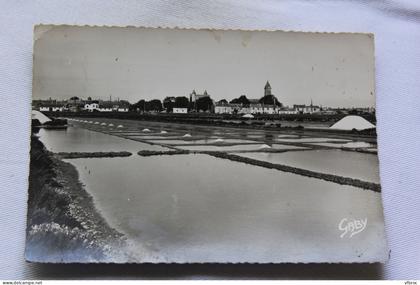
169 103
147 106
266 100
202 104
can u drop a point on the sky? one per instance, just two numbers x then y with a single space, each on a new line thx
331 69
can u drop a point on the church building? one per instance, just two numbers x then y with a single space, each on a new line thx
267 89
194 96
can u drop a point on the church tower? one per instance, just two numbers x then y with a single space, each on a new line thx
192 96
267 89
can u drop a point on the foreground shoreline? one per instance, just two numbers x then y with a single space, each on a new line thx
63 224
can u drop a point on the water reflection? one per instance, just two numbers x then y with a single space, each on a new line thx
344 163
197 208
76 139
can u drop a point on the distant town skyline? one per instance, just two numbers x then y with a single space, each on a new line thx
334 70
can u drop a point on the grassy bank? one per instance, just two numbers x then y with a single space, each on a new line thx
62 224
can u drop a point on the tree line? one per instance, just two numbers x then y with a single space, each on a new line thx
202 104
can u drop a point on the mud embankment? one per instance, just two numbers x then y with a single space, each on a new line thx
62 224
169 152
328 177
70 155
300 171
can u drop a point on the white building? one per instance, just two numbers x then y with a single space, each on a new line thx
92 106
122 109
57 108
75 104
121 106
223 109
287 111
329 112
262 109
227 108
255 108
307 109
269 109
52 108
180 110
113 106
105 109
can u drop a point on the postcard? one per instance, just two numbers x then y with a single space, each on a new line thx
159 145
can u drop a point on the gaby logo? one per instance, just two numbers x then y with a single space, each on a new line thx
351 227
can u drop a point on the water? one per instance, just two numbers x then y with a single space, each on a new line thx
344 163
347 145
288 136
137 134
309 125
254 136
198 208
150 137
205 141
287 147
137 137
76 139
243 147
307 140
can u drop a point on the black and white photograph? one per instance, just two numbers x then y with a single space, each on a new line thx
159 145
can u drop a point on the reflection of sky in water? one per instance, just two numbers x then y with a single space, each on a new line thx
205 141
348 145
306 140
284 147
197 208
83 140
344 163
152 137
221 148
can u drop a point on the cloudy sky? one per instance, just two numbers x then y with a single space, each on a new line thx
334 70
